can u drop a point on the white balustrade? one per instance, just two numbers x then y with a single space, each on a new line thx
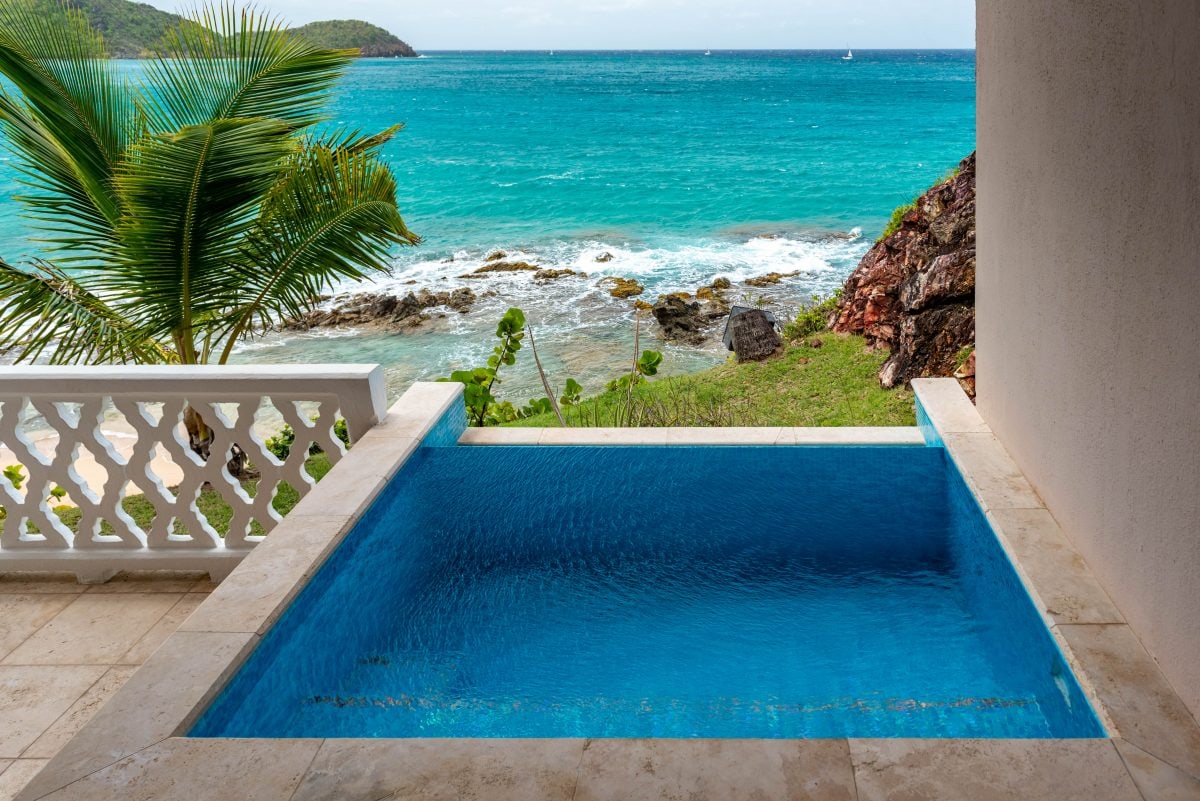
102 434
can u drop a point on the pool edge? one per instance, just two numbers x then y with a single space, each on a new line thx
1151 733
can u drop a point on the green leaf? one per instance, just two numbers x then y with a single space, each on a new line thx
45 311
332 217
191 200
74 121
227 62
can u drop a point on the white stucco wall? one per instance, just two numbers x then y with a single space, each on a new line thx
1089 289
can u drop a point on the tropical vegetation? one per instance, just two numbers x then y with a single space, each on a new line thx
354 34
175 221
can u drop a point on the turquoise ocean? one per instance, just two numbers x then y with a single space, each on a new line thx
682 166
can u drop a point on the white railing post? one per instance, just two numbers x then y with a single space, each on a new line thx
124 426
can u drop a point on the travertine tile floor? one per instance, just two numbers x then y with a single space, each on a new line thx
65 648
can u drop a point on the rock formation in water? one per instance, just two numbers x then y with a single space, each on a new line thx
692 321
914 292
621 287
382 310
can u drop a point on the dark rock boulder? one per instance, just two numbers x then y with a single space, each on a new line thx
914 291
754 337
687 321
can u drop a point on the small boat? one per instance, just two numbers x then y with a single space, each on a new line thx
708 52
849 55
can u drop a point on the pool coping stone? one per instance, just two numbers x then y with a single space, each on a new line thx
135 746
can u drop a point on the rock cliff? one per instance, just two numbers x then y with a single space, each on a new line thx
914 291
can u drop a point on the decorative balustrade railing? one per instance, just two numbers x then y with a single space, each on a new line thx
90 437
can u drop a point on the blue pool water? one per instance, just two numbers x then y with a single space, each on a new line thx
662 592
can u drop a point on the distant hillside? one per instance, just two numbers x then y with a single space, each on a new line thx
352 34
131 30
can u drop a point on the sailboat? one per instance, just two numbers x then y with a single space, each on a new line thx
708 52
849 55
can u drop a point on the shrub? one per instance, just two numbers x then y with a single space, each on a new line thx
281 444
813 319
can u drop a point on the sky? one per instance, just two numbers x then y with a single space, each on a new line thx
649 24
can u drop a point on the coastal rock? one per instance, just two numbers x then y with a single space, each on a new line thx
720 284
497 266
604 258
386 311
686 321
914 291
622 287
770 279
544 276
496 255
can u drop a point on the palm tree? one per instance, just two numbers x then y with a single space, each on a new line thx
183 213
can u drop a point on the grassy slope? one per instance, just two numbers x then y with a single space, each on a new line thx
834 385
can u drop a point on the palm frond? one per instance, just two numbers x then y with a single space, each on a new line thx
57 202
345 140
227 62
46 311
335 218
191 198
78 115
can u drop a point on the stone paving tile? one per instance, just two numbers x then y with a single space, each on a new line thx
990 770
93 630
264 584
149 581
1157 780
1058 573
41 583
1141 704
17 776
158 700
167 625
199 770
22 615
716 770
71 721
987 468
33 697
443 770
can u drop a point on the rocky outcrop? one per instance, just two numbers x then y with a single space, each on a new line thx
682 319
914 292
382 310
770 279
622 287
495 265
550 274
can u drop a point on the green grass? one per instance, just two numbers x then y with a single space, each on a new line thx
214 507
833 385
